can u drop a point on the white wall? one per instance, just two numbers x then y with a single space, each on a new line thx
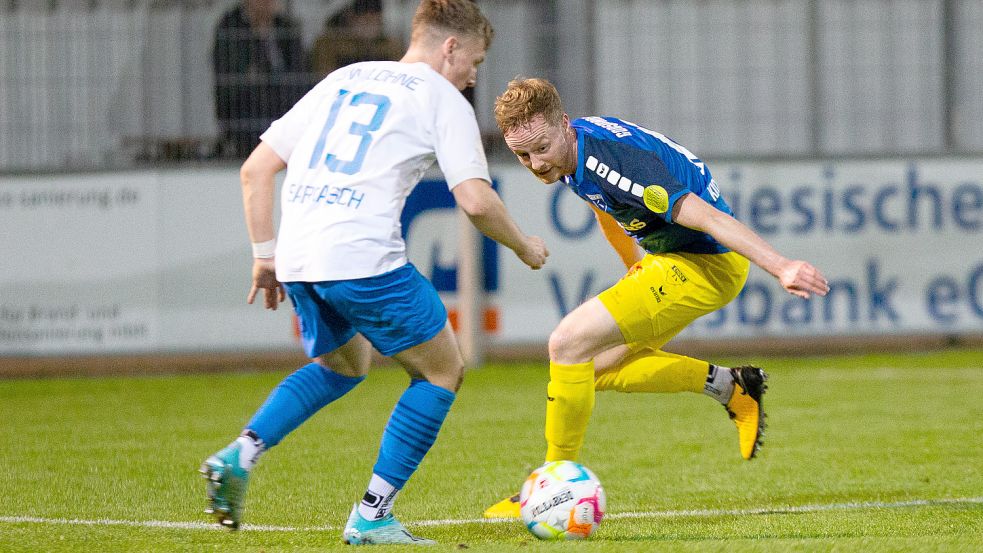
721 77
882 85
82 87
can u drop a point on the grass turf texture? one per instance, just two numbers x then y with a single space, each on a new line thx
842 430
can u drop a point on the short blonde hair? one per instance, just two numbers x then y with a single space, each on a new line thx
526 98
454 16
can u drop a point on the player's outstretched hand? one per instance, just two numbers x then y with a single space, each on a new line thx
534 252
264 278
801 278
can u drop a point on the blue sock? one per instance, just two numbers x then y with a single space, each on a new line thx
296 398
411 430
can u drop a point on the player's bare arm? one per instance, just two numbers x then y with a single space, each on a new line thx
488 214
798 277
626 248
257 176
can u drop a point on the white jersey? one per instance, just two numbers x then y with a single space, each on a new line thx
356 145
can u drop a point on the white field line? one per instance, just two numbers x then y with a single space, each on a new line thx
789 509
743 512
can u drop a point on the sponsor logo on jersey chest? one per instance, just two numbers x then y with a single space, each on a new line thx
613 177
634 225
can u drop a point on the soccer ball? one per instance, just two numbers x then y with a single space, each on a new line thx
562 500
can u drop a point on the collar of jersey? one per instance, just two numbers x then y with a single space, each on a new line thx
580 155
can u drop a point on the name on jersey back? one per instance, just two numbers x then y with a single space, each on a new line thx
328 195
385 75
616 129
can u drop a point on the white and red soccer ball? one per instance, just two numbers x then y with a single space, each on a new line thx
562 500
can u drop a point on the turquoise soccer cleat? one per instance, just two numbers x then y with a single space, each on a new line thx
226 486
388 530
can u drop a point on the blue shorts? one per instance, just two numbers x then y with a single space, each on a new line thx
394 311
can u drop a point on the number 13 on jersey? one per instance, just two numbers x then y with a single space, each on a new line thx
363 131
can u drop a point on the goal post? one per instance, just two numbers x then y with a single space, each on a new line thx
470 292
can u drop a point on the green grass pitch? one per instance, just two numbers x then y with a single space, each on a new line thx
863 453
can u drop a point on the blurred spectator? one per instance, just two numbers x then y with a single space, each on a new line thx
260 72
354 34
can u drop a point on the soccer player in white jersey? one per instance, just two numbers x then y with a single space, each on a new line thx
354 147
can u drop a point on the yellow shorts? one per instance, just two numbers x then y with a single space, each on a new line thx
663 293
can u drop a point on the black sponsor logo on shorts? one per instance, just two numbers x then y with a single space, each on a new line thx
656 294
679 274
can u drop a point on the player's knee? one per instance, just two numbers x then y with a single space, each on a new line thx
566 345
458 377
343 365
459 380
449 377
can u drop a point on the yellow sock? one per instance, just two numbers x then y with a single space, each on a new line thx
656 372
570 397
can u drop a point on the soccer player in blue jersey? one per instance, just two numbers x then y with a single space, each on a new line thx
354 148
661 210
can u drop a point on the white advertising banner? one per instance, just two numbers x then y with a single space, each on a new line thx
79 263
158 261
900 241
128 262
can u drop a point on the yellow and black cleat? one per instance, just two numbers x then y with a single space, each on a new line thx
506 508
746 410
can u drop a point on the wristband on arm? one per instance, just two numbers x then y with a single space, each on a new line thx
264 250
